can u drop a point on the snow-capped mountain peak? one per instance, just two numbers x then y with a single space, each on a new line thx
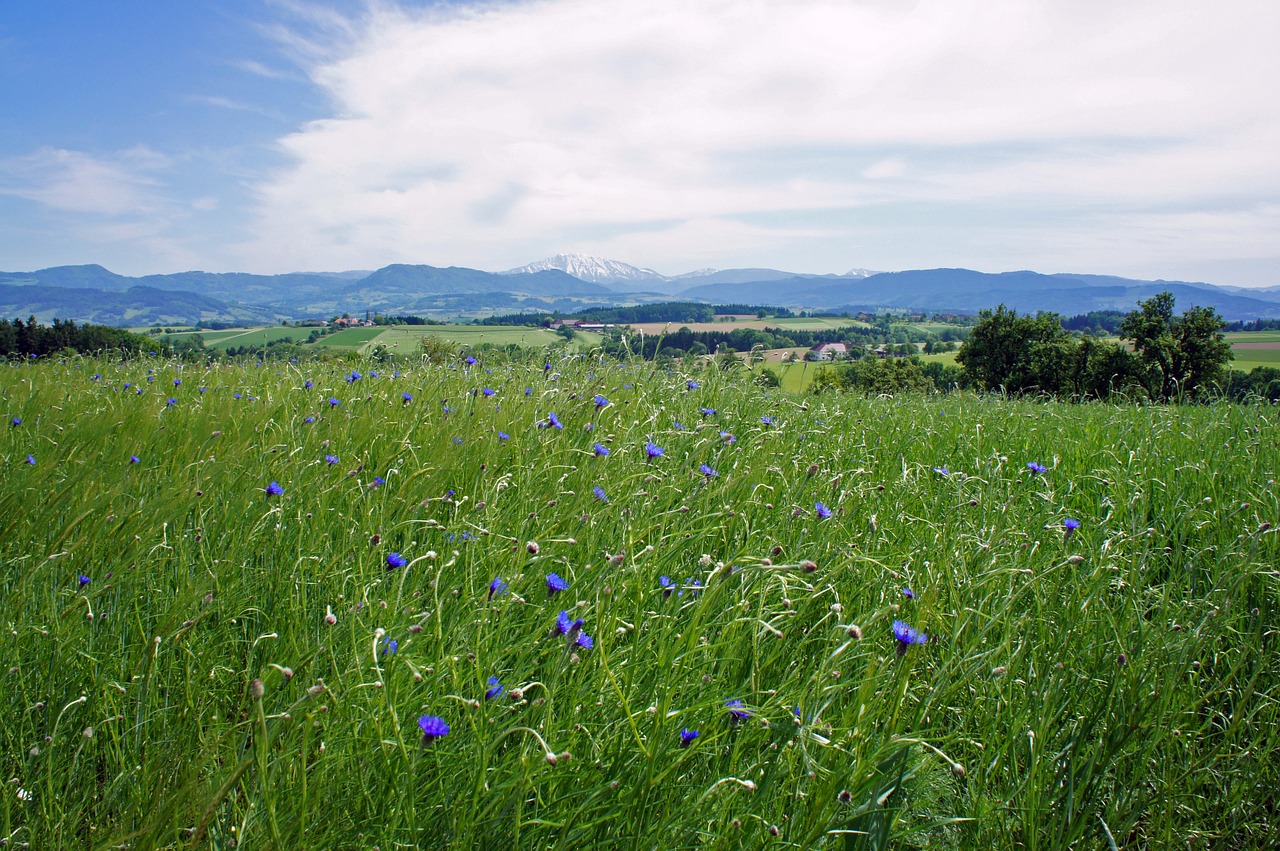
588 268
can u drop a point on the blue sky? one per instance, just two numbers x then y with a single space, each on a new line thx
811 135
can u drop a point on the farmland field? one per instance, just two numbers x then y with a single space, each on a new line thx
608 606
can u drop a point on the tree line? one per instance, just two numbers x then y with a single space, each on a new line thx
19 339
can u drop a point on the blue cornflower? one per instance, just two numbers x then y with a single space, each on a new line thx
471 361
177 382
908 593
695 585
129 384
274 489
601 401
497 587
653 450
677 425
667 585
134 459
942 471
488 391
236 396
83 580
395 373
691 384
354 377
31 459
172 401
1036 468
823 511
707 471
708 412
687 736
736 712
584 641
555 582
528 391
727 437
907 636
448 410
495 689
600 450
16 421
373 374
391 647
377 482
568 626
766 421
406 397
334 401
1070 526
600 494
95 377
307 385
331 460
395 560
308 419
553 420
502 435
457 441
433 727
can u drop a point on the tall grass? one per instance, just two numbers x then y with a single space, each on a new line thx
225 675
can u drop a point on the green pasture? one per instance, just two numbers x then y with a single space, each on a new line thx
288 608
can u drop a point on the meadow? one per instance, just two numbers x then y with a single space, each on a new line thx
597 605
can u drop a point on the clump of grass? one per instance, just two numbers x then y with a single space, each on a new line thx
192 659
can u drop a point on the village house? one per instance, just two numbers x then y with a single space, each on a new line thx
829 351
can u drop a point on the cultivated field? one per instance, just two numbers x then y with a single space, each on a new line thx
603 606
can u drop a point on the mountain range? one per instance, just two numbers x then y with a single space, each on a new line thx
569 282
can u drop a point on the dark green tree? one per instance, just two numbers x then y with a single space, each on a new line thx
1181 356
1020 354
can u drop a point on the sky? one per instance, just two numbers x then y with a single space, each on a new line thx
1139 138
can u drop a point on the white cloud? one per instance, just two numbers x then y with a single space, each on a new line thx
677 135
76 182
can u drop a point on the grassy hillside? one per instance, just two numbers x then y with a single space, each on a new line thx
243 604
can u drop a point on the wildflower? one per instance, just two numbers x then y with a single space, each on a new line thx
488 391
373 375
83 580
177 382
334 402
908 593
687 736
433 727
584 641
354 377
391 647
172 401
497 587
307 385
600 494
406 397
736 712
502 435
555 583
708 412
134 459
471 361
600 401
331 459
707 471
695 585
653 450
274 489
691 384
727 437
907 636
823 512
236 396
457 441
667 585
16 421
600 450
395 560
554 421
766 421
1070 526
567 626
309 419
677 425
1036 468
528 391
495 689
942 471
377 482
